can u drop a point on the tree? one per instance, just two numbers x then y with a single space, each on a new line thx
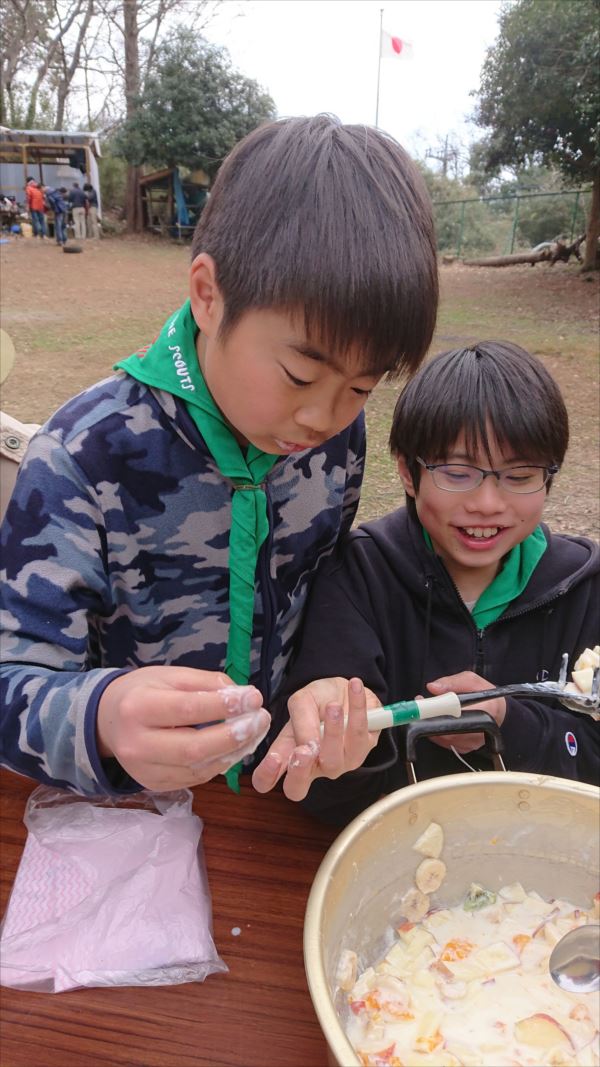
133 30
539 96
451 154
194 108
131 34
41 56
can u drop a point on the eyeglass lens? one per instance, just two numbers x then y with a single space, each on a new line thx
458 478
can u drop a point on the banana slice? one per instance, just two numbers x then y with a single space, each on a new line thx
583 679
346 969
431 841
414 904
429 875
588 658
513 893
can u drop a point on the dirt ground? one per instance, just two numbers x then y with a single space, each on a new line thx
72 316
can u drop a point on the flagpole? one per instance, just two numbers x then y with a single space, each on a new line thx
379 67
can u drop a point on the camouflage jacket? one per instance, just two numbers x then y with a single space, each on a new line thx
115 551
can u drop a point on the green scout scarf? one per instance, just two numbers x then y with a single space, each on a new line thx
510 581
171 363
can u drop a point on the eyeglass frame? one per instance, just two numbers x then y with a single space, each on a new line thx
551 470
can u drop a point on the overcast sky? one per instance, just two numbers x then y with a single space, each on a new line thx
322 55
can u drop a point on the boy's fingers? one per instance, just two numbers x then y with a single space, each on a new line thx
464 682
357 702
306 706
300 772
461 742
359 740
358 727
274 765
268 772
185 747
304 717
330 751
156 708
221 763
188 678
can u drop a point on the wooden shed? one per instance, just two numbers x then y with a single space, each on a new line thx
52 157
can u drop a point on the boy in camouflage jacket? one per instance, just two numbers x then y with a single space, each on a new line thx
167 523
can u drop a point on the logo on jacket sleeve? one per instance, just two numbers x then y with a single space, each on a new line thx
571 743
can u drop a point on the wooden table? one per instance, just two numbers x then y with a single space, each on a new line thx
261 853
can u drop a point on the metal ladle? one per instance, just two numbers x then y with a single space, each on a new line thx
575 960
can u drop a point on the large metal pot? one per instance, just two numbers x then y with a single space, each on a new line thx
498 828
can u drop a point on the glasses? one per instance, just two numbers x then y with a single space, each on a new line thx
460 478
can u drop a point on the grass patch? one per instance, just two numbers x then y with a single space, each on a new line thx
462 323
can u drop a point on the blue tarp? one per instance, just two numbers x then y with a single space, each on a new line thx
182 215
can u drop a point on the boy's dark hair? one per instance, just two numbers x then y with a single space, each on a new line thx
335 222
492 386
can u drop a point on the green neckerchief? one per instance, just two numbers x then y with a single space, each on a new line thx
171 363
511 579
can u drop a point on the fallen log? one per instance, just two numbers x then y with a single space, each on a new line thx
509 261
555 251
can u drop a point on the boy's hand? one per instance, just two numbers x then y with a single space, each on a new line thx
302 754
146 721
467 682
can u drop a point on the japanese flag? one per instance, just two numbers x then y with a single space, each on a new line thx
394 46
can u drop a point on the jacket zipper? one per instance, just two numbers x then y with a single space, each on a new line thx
479 659
480 634
535 606
479 654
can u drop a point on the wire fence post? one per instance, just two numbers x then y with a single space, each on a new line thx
480 227
461 228
574 215
514 226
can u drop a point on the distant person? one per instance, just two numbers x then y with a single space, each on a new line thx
57 202
77 200
9 204
35 205
9 211
91 218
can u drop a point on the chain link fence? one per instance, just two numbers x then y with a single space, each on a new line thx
501 225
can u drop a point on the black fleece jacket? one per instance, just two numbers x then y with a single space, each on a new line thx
386 610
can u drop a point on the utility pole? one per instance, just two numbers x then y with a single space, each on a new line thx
445 155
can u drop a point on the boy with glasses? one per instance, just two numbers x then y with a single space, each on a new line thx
461 590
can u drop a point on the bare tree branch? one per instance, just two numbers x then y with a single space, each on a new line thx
70 70
51 50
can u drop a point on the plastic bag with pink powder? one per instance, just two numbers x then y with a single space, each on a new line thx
108 894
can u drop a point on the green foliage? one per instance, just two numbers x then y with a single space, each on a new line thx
455 230
467 225
24 42
21 118
539 94
545 217
194 108
540 218
113 180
